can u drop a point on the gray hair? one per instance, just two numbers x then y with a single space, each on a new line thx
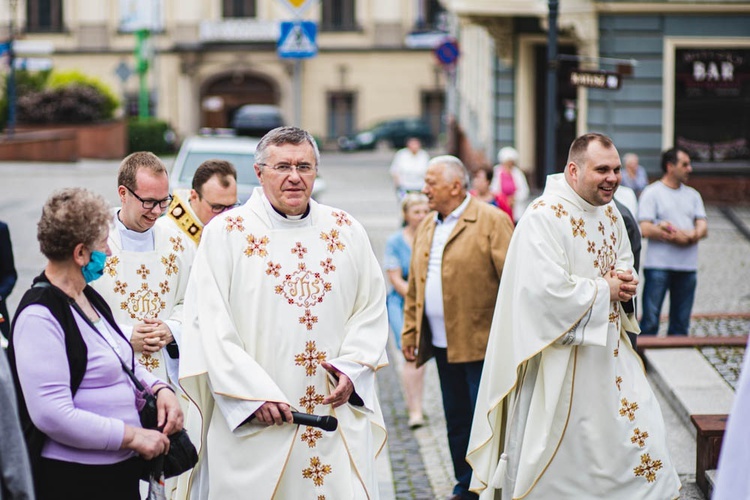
630 157
507 154
454 167
69 217
285 135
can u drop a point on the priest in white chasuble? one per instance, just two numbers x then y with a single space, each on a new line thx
145 278
213 192
287 313
564 408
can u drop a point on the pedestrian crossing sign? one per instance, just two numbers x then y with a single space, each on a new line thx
297 40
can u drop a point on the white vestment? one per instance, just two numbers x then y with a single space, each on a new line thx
733 481
270 299
180 217
563 396
149 284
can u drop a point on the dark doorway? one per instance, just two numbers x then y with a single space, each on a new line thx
566 109
227 93
433 107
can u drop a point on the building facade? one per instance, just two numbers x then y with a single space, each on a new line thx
208 57
684 69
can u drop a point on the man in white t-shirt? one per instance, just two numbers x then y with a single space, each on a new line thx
673 219
409 167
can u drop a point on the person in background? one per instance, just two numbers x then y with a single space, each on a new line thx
78 405
673 218
510 181
16 481
480 184
634 176
409 166
457 261
414 208
8 277
214 192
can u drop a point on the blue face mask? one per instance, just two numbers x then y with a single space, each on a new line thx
95 268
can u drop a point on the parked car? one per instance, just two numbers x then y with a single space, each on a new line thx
255 120
240 151
389 133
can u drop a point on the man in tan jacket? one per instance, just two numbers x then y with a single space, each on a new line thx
457 260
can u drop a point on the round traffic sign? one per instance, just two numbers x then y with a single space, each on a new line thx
447 52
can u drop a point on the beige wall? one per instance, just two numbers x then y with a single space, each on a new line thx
388 82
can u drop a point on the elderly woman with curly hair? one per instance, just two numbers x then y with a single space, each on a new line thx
78 405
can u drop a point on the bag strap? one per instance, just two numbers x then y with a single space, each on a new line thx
74 304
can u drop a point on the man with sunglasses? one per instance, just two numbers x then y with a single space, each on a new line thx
145 277
285 312
214 192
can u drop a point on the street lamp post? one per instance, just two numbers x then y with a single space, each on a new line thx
551 119
11 86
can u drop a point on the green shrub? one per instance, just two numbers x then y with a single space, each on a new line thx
64 79
148 135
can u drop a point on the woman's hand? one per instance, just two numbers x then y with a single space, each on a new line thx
146 442
169 415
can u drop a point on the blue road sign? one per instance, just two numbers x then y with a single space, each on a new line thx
447 52
297 40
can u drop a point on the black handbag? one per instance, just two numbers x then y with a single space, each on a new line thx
182 455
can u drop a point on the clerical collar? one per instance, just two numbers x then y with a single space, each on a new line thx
279 220
292 217
455 214
133 241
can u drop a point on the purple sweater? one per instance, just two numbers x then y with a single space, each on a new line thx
87 428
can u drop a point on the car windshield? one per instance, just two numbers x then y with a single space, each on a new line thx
243 162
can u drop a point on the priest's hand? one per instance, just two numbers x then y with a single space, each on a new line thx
410 352
271 413
160 329
143 339
344 387
622 285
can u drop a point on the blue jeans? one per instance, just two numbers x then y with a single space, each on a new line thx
459 385
681 286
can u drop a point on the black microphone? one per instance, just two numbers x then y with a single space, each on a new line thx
325 422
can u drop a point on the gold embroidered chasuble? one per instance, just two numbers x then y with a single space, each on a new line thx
563 396
180 217
150 284
269 303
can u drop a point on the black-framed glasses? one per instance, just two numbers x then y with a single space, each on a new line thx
218 208
287 168
151 204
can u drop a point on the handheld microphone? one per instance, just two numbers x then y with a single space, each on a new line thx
325 422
